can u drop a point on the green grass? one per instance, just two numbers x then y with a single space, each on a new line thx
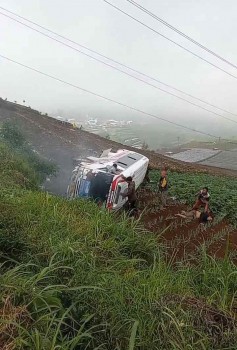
76 277
20 163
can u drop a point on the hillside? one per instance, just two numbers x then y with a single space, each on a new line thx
59 142
74 277
62 144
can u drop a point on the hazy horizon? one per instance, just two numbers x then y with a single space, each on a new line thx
100 27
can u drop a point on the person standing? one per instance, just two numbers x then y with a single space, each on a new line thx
163 187
131 195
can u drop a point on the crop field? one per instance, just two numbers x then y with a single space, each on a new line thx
195 155
155 135
223 191
122 134
225 159
216 158
182 238
125 135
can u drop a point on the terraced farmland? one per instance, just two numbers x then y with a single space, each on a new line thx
224 159
210 157
185 238
195 155
122 134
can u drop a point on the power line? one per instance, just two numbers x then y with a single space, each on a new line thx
124 72
109 99
119 63
170 40
134 3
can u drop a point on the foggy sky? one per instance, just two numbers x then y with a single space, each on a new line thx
100 27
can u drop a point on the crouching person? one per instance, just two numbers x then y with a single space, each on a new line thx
202 201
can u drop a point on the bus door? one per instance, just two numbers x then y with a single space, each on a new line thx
116 201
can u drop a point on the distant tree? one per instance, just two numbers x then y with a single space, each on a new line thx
24 101
5 99
15 101
107 137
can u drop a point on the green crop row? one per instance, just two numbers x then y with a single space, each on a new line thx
222 189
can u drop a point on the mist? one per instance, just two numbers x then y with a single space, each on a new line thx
100 27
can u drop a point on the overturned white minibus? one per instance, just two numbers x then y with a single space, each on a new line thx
93 179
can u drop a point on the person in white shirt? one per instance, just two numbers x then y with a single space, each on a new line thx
114 169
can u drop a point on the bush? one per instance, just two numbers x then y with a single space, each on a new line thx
15 140
11 135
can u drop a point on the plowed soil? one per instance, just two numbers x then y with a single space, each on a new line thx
183 239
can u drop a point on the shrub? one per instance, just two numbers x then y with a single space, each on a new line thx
13 137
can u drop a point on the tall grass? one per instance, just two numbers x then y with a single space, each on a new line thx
30 169
107 272
76 277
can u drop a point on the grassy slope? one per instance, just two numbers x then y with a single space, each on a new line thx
74 277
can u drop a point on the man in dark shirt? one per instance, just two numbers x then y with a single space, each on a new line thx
131 194
202 201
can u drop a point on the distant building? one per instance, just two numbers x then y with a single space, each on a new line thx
92 122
